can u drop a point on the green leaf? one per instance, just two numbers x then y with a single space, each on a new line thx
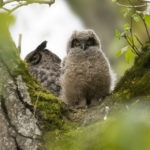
114 1
147 19
123 50
130 39
136 17
139 12
129 55
119 53
126 27
123 33
118 34
127 12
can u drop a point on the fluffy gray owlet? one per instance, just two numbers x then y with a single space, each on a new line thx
45 66
86 75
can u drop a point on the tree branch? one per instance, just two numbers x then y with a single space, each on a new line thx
132 47
23 3
131 32
131 6
138 40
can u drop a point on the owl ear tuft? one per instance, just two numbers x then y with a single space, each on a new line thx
42 46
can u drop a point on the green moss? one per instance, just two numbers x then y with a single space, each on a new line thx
123 131
136 81
59 132
48 108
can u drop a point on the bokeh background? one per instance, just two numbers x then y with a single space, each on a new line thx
55 24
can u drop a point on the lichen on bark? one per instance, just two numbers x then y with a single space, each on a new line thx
47 107
26 109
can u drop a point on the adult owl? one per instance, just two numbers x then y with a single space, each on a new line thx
45 66
86 74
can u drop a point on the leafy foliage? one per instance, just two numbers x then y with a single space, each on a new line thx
147 19
135 82
134 44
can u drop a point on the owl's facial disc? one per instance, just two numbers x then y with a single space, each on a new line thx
83 44
35 58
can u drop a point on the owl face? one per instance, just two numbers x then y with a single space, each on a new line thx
38 57
83 41
34 58
41 56
83 44
45 67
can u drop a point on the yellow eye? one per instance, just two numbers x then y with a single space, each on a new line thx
77 43
35 59
89 42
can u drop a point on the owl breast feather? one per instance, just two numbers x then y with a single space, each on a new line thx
92 69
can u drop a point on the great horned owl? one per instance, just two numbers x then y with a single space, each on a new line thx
86 74
45 66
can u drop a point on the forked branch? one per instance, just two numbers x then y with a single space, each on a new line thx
20 3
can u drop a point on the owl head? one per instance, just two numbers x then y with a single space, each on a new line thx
83 40
41 55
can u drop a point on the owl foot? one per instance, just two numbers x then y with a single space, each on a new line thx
95 102
81 104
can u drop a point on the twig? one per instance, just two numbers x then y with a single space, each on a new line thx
133 49
142 20
30 1
35 106
130 6
8 1
146 28
24 3
5 9
131 32
138 40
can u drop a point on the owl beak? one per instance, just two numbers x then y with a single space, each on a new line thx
83 46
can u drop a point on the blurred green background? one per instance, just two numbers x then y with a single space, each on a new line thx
56 23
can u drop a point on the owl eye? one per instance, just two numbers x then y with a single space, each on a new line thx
35 59
75 43
91 42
